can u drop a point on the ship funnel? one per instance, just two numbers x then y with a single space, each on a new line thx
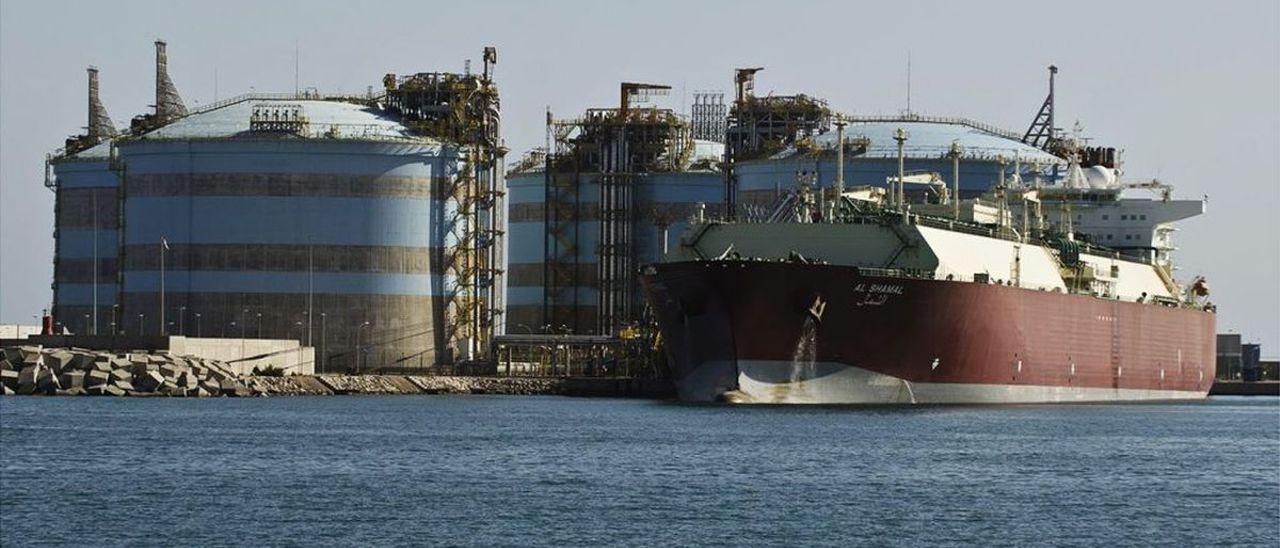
168 103
100 126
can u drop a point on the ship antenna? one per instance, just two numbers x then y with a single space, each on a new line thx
908 82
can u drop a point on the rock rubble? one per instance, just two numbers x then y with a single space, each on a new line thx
77 371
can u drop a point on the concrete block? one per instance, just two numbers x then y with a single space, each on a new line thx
171 371
140 369
82 361
121 375
6 366
124 385
9 378
173 390
30 355
28 374
70 392
96 377
106 390
148 382
188 380
59 360
10 354
212 387
7 391
71 380
232 388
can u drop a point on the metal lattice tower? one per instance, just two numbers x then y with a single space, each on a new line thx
100 125
463 110
760 126
169 106
168 103
618 145
1042 132
563 207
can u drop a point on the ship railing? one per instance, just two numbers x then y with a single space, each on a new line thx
980 230
911 273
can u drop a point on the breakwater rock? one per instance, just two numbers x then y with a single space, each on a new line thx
74 371
77 371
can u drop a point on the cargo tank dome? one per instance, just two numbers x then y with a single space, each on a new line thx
929 141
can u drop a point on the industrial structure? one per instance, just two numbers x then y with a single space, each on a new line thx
369 227
604 197
773 142
582 208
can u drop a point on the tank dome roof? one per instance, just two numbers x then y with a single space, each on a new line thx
931 138
335 119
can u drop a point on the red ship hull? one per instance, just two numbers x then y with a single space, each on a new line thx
773 332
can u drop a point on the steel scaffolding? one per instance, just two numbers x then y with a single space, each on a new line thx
615 145
760 126
463 110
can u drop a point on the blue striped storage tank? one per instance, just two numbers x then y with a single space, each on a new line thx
659 197
329 231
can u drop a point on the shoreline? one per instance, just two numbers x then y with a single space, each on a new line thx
35 370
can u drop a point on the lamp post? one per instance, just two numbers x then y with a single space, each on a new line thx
182 321
359 347
198 325
164 246
323 340
141 321
297 362
86 322
115 309
259 335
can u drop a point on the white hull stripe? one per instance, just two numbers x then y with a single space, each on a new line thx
854 385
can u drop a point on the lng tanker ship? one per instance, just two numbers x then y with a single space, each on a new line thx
852 296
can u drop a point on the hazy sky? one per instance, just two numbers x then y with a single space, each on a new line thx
1191 90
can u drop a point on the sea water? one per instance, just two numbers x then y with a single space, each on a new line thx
551 471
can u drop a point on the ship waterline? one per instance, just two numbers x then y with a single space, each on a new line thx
784 332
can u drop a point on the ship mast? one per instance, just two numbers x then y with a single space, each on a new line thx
840 123
899 200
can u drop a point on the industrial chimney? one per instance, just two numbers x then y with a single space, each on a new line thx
100 126
168 103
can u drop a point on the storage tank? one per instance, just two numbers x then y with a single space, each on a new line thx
664 203
261 228
362 226
86 221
